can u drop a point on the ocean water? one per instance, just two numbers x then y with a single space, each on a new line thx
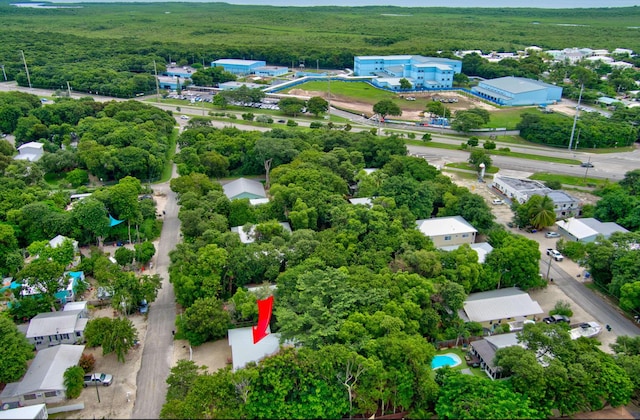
539 4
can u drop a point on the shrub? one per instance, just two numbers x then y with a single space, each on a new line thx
473 141
73 381
426 137
291 123
77 177
464 146
504 149
562 308
315 124
554 185
248 116
87 362
574 250
264 119
489 145
411 136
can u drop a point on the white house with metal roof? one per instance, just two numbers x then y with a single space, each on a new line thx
243 349
587 229
44 380
447 231
517 91
244 188
55 328
31 412
495 307
31 151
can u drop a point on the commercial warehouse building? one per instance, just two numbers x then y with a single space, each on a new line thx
247 67
517 91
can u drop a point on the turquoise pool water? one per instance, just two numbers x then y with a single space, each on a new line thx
449 359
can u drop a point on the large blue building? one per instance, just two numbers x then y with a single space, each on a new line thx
238 67
514 91
421 72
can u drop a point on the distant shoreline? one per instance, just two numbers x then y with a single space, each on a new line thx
453 4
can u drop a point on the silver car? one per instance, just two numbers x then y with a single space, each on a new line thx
96 379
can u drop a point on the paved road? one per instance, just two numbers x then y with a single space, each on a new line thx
600 309
157 355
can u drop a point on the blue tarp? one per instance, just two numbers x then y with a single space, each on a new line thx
76 274
114 222
13 285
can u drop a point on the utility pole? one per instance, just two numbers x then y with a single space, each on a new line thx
155 71
575 118
26 69
329 96
4 73
549 267
68 88
587 169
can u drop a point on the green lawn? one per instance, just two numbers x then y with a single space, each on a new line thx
470 167
508 117
578 181
359 91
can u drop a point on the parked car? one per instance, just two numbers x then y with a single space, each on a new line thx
586 165
184 117
556 319
497 202
96 379
555 254
552 235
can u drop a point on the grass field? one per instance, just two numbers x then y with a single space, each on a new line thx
508 117
577 181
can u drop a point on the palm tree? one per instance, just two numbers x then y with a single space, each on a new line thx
541 212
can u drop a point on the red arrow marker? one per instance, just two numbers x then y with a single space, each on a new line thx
265 307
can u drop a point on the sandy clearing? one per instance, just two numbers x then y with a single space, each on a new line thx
464 102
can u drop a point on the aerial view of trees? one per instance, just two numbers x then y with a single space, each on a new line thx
361 284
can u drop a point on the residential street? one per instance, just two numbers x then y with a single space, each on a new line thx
588 300
158 349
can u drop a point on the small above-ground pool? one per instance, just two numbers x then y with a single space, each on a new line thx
449 359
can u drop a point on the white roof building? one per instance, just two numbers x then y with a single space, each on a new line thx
497 305
32 412
244 188
44 380
249 237
587 229
52 323
31 151
365 201
447 231
243 350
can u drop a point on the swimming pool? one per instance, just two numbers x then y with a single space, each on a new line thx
449 359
